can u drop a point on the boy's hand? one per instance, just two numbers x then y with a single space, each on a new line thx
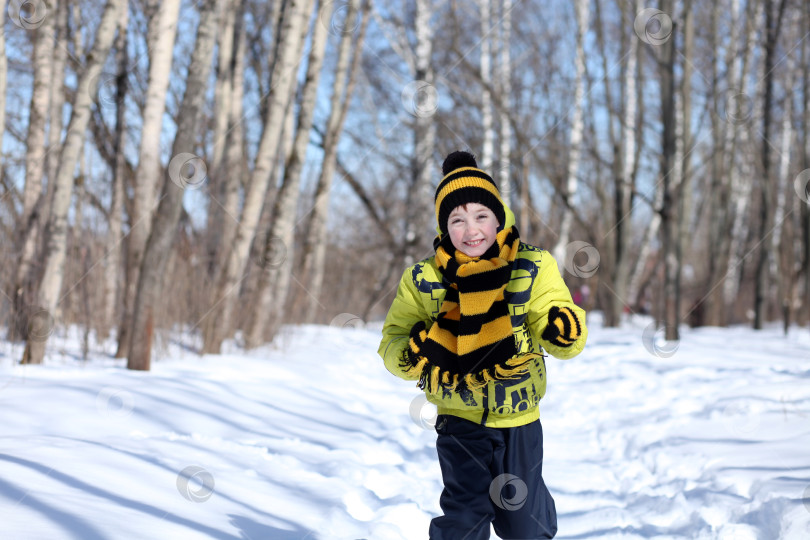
563 327
418 337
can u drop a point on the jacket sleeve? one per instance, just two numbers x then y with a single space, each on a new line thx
549 290
405 311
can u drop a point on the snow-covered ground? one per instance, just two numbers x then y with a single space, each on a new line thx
311 438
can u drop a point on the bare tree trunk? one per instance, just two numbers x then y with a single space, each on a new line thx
57 229
224 202
739 171
342 88
780 273
668 143
420 194
223 90
288 58
685 146
112 259
766 215
488 147
3 74
28 235
160 40
581 8
274 280
505 91
632 139
185 170
805 202
725 140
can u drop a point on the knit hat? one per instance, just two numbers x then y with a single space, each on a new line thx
464 183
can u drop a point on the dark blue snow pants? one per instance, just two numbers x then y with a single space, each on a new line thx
492 475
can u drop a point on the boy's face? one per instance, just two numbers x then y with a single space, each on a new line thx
472 228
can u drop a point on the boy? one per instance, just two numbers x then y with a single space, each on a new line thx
470 325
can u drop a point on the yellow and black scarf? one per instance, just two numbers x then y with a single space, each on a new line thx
471 342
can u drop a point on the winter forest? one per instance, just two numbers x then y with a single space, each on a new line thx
229 166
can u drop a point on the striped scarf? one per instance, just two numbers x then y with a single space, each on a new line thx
471 342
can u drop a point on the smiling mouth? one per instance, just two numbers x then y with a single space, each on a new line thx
474 243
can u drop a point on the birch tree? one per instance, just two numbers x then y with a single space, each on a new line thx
505 91
667 210
773 22
57 228
35 144
725 138
3 77
805 201
487 117
160 38
112 259
569 191
420 195
287 59
185 170
274 280
343 83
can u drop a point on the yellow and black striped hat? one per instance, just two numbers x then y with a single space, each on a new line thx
464 183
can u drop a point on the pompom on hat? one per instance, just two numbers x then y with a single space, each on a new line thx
465 183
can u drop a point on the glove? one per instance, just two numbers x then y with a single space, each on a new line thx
563 327
418 337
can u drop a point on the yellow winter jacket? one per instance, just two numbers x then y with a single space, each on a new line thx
534 287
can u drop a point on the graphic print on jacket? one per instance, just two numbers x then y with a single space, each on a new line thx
504 397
